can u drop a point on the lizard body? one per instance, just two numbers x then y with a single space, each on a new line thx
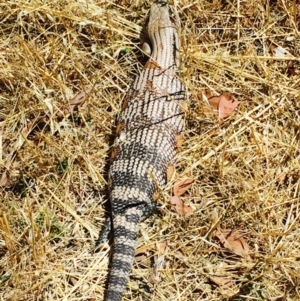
149 134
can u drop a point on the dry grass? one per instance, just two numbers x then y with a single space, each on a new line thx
246 169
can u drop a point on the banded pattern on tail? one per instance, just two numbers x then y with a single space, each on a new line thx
149 133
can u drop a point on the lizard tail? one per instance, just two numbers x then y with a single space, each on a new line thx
126 227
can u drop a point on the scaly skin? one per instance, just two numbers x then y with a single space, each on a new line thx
149 135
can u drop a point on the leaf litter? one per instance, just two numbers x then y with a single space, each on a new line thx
180 187
233 241
224 104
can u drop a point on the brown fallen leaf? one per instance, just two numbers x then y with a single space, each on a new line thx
227 105
227 287
283 176
233 241
223 103
182 185
214 102
4 181
78 100
180 207
224 282
161 246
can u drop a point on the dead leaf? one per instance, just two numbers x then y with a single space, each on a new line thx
4 181
283 176
180 207
224 282
78 100
227 287
161 246
223 103
208 94
214 102
226 106
182 185
233 241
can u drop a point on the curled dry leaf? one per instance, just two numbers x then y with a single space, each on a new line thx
227 106
233 241
161 246
214 102
78 100
224 282
4 181
180 207
223 103
182 185
283 176
226 285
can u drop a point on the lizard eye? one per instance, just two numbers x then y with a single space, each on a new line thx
162 2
